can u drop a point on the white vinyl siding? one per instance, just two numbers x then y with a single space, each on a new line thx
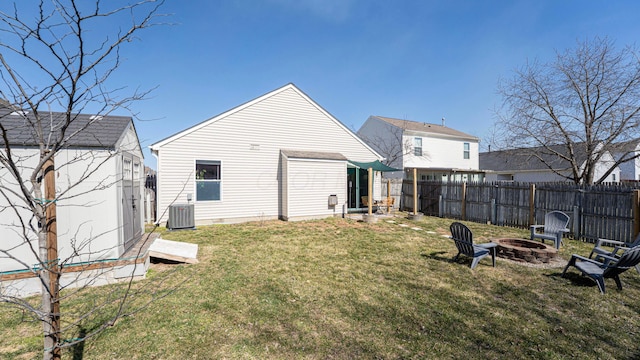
248 142
440 152
309 184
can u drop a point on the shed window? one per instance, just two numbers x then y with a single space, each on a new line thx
417 146
126 169
208 180
465 153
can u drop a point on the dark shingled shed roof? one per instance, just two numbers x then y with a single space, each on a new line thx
101 132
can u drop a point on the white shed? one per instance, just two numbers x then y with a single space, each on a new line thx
99 185
280 155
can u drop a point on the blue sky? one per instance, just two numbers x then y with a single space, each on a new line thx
416 60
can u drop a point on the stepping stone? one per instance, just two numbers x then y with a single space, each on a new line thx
416 228
404 225
391 221
431 232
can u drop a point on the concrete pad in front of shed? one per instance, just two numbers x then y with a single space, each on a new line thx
174 251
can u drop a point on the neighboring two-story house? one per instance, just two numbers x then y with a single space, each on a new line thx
437 152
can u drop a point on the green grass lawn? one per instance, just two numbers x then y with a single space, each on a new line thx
342 289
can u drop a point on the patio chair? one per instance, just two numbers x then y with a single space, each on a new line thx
463 238
618 247
609 269
555 225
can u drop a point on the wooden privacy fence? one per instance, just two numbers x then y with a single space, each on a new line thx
606 211
394 190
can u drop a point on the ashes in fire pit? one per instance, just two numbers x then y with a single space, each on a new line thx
522 250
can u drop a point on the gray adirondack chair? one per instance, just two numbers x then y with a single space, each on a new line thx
611 268
555 226
612 248
463 237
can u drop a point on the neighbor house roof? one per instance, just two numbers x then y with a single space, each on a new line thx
529 158
426 128
626 146
100 132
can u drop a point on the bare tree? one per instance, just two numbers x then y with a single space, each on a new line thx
390 142
56 60
574 110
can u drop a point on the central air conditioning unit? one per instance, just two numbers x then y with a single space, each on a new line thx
181 216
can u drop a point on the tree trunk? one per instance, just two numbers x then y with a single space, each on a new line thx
50 274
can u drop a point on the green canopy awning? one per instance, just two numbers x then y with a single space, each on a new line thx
375 165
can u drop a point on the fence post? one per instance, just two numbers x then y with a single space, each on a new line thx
440 206
577 220
415 191
464 201
494 212
636 213
532 202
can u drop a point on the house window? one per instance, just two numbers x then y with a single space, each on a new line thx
466 151
208 180
614 177
417 147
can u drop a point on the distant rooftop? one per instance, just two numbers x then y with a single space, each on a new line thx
530 158
426 128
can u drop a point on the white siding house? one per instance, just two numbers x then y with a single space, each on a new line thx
436 151
280 155
522 165
629 170
99 186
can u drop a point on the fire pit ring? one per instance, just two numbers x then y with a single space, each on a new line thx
522 250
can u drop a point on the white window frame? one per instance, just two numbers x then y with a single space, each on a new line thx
466 151
417 150
218 180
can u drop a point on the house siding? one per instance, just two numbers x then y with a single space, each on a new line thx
442 153
248 142
309 184
383 137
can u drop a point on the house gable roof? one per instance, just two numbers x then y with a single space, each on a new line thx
426 128
100 132
527 159
156 146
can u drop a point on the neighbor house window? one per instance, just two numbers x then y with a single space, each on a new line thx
465 153
208 179
417 147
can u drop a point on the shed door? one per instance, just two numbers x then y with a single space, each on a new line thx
131 202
